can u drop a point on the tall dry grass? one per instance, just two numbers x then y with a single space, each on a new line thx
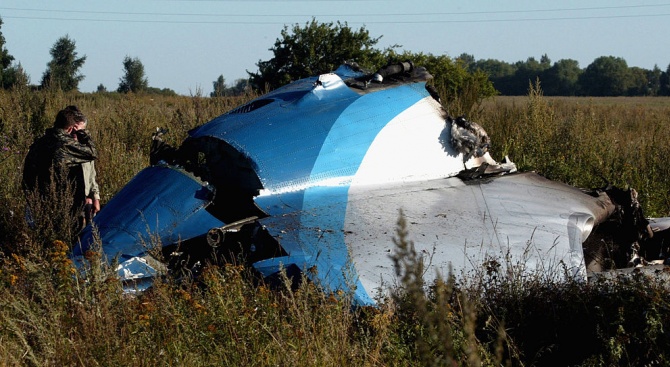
587 142
52 314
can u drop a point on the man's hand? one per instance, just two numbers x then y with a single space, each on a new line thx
96 206
81 136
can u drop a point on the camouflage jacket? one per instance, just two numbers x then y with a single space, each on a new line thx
59 154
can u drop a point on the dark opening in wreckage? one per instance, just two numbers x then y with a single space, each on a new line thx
314 174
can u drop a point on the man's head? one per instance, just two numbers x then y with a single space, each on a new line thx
70 119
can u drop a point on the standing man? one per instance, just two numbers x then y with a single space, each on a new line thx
91 188
55 159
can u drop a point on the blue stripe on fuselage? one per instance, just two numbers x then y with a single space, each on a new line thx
343 151
284 137
302 144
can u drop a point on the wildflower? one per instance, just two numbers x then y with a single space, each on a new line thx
63 266
145 308
144 320
381 321
199 307
184 295
19 261
90 255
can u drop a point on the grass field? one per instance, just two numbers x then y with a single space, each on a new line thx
51 315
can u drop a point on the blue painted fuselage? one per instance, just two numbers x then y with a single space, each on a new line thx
330 166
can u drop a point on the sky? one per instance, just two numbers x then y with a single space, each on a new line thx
185 45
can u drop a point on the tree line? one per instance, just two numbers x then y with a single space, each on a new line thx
605 76
316 48
63 70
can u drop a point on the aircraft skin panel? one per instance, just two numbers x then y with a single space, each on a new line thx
286 134
356 129
524 216
160 201
401 139
336 164
284 138
659 224
309 231
413 146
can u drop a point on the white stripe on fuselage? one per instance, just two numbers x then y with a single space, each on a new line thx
413 146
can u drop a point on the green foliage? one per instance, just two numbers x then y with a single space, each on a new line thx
494 68
654 78
319 48
63 70
639 82
240 88
15 76
5 61
606 76
618 321
133 79
313 49
162 92
219 87
461 91
439 324
527 72
664 81
562 78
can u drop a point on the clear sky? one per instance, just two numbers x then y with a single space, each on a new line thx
185 45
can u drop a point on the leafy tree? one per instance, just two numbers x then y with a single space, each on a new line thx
664 80
654 78
5 61
527 72
133 79
499 72
101 88
545 62
10 75
605 76
461 91
495 69
467 60
316 48
241 87
162 92
639 82
219 87
15 76
562 78
63 69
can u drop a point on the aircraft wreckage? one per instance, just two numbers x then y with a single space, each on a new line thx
312 177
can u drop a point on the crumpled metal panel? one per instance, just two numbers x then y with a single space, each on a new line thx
161 205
